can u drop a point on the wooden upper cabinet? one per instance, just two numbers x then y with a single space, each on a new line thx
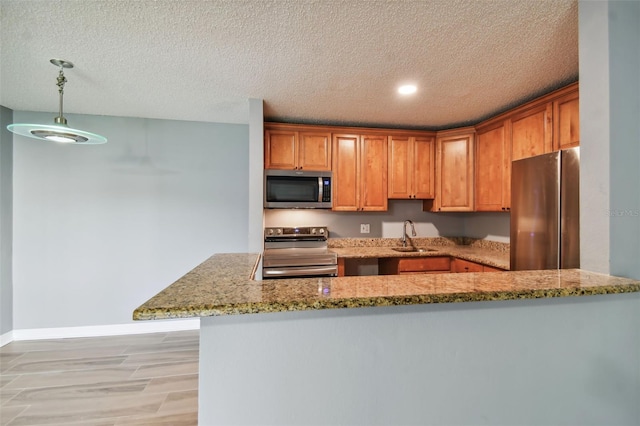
359 172
424 167
400 155
566 121
493 168
345 190
289 149
314 152
454 171
411 167
280 149
531 132
373 173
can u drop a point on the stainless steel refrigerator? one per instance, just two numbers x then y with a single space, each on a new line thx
545 211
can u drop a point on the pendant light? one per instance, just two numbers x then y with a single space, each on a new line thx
58 132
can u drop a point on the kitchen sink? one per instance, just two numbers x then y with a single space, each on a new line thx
412 249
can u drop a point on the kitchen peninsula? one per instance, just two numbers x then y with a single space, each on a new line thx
410 357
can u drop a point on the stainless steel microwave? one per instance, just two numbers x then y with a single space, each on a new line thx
297 189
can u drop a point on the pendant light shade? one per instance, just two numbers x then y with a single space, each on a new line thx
59 131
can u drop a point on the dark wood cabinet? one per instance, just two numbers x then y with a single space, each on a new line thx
414 265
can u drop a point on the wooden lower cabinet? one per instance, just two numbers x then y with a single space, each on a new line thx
414 265
461 265
421 265
486 268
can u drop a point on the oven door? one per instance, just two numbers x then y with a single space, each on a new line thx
300 271
299 262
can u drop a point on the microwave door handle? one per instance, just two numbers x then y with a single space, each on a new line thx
320 190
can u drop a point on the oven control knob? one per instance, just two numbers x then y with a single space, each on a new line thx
321 231
313 231
270 232
279 231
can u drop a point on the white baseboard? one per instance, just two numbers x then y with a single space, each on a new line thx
6 338
156 326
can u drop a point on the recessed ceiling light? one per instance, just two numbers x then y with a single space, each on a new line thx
407 89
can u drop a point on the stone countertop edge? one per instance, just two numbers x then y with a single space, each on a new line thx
224 285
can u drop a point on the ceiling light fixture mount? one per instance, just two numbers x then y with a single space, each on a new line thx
58 132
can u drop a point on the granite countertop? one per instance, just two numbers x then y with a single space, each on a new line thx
223 285
480 251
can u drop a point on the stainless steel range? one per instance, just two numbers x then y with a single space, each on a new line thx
298 252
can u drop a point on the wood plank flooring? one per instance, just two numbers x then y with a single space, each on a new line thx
143 379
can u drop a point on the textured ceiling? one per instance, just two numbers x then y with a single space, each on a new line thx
323 61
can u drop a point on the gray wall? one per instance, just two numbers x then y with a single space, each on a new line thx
594 134
567 361
255 223
610 132
491 226
624 59
6 221
382 224
100 229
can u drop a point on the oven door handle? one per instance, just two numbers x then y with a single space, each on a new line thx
293 238
299 271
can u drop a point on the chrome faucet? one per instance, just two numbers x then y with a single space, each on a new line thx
404 232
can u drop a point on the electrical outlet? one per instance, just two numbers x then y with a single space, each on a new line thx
364 228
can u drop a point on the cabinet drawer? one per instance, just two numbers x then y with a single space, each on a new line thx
460 265
414 265
487 268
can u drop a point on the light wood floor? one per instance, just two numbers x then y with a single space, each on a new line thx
144 379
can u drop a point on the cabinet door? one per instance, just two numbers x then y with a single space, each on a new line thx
345 191
280 149
460 265
400 183
423 167
493 169
314 151
455 173
566 122
531 132
411 167
373 173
